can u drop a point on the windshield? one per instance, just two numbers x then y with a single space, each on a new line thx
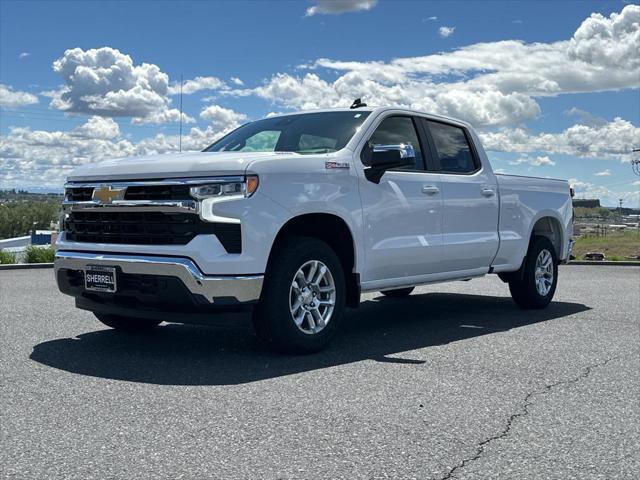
303 133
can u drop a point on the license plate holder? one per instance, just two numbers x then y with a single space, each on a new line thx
100 278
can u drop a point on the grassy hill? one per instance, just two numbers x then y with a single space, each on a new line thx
615 246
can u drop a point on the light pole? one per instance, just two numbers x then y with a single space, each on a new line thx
620 200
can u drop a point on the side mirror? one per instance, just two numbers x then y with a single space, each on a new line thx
386 157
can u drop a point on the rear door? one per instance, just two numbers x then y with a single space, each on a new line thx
470 199
403 213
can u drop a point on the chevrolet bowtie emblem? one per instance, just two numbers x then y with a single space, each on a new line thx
106 194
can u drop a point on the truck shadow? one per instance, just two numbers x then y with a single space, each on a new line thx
193 355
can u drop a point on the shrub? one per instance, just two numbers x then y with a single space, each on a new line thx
35 254
7 257
616 258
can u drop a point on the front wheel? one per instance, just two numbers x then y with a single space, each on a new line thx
538 282
127 324
303 297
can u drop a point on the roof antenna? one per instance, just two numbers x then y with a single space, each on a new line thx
357 103
180 113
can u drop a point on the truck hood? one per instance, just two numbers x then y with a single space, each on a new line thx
173 165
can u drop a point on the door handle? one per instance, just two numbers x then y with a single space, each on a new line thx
430 190
488 192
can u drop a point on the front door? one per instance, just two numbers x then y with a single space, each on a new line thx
403 213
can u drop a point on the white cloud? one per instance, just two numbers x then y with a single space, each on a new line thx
196 84
586 118
39 158
611 141
98 128
237 81
482 107
336 7
222 121
579 185
432 19
533 161
164 116
603 173
445 31
636 183
35 158
10 98
606 196
106 82
609 42
488 84
24 55
220 116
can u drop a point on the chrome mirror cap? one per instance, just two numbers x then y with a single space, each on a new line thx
405 150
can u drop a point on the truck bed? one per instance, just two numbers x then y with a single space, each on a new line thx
523 200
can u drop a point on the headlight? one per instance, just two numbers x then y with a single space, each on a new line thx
226 188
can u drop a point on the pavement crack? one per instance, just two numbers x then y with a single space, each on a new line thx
523 412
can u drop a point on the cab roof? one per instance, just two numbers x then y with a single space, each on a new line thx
376 110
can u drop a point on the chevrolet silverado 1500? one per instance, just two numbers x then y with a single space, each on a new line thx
294 216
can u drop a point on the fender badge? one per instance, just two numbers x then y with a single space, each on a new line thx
336 165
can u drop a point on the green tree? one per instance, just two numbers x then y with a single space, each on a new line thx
22 217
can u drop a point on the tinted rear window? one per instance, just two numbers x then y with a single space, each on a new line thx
452 148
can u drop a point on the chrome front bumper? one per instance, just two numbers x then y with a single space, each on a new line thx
244 288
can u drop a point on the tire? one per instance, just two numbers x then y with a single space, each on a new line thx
525 290
398 292
273 318
127 324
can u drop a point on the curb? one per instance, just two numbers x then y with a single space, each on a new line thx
25 266
623 263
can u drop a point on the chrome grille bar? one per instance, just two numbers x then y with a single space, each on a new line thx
186 206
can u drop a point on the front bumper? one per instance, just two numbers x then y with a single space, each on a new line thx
205 290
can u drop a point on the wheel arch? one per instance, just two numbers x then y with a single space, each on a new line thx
334 231
549 226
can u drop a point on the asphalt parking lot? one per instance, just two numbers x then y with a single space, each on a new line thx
453 382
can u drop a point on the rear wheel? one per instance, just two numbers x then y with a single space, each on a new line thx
398 292
537 285
127 324
303 297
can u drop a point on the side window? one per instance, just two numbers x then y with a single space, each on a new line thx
393 131
452 148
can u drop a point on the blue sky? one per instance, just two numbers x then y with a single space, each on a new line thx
562 85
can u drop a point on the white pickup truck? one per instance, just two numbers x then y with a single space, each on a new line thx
294 216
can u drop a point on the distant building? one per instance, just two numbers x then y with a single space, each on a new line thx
587 203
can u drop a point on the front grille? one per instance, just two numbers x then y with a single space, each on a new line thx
138 228
158 192
147 228
78 194
135 192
